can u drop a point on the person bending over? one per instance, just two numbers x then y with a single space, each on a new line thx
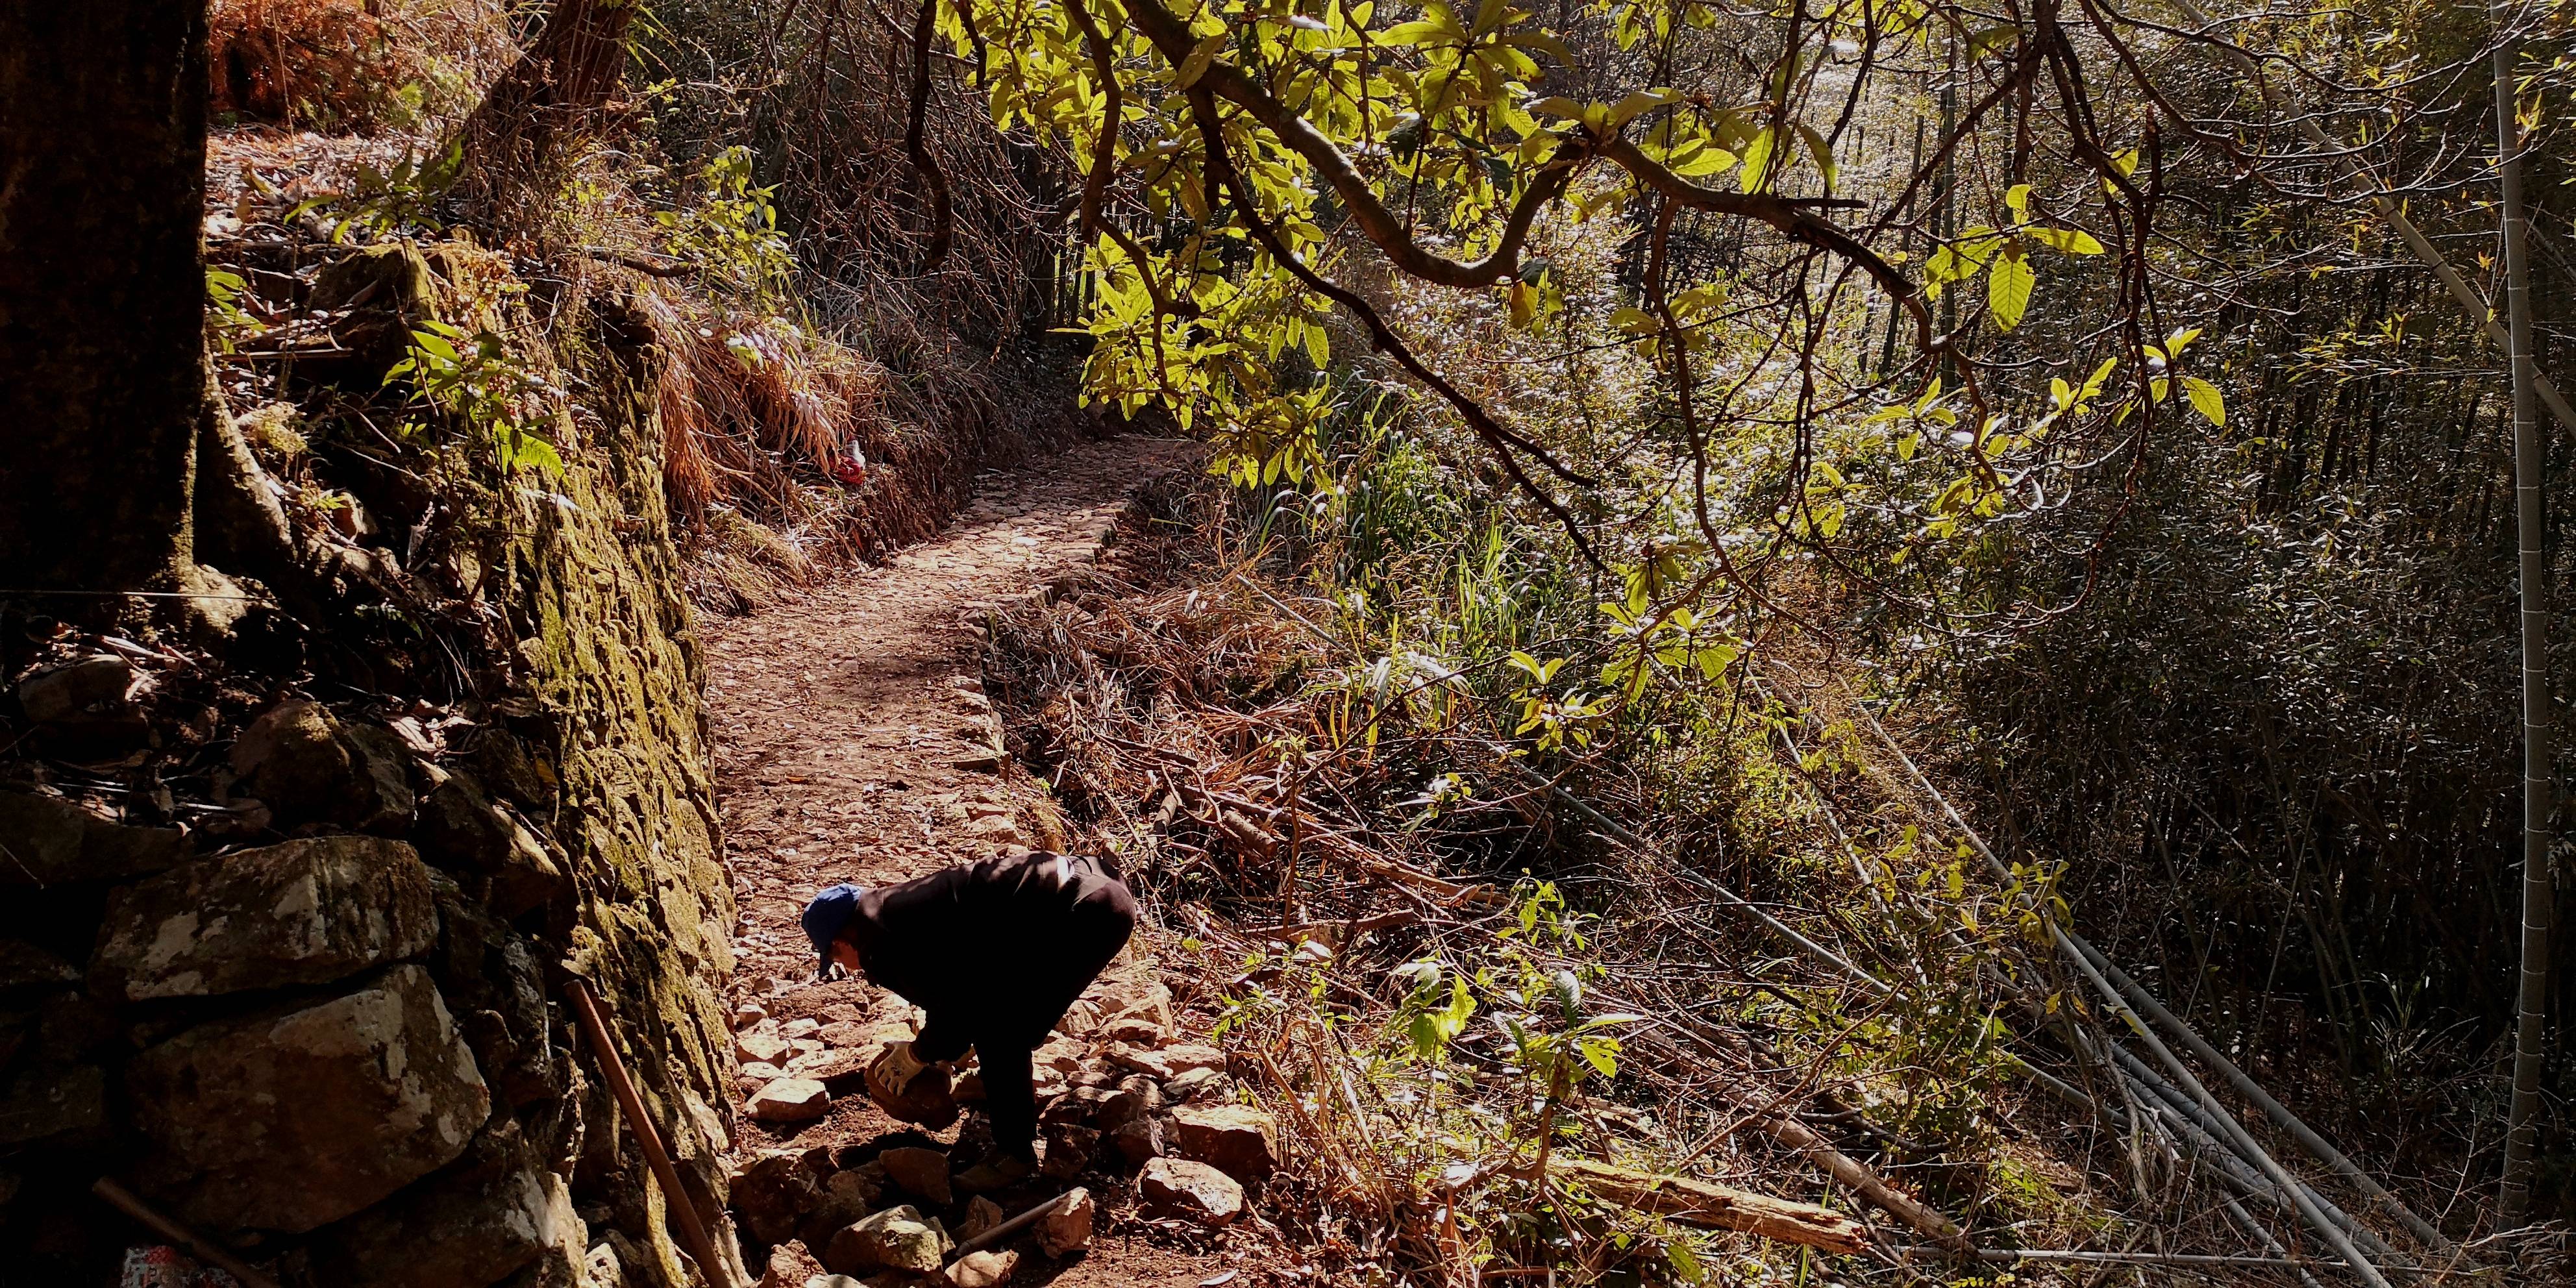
995 952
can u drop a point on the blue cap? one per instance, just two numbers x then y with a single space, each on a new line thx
830 911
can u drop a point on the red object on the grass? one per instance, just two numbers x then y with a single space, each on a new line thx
851 467
162 1266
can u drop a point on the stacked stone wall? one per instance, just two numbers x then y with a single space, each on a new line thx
313 1005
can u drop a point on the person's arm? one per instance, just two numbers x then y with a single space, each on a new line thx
942 1037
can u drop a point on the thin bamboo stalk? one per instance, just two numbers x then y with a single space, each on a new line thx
2234 1132
2212 1260
2531 1002
648 1138
2280 1114
1788 1131
2206 1136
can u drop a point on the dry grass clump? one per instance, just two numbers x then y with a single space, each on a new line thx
785 453
343 66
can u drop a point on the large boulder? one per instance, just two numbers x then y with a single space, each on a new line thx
302 912
848 1195
790 1266
990 1268
295 1117
1137 1140
306 764
85 705
899 1238
981 1214
775 1194
494 984
1169 1062
1066 1227
46 840
82 689
761 1044
786 1101
475 1223
1070 1147
921 1173
1137 1097
1195 1192
462 829
1197 1084
1238 1140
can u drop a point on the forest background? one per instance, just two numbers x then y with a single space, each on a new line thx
1664 417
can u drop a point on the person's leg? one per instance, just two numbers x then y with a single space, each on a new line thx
1010 1100
1011 1103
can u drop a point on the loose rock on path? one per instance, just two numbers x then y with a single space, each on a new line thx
854 744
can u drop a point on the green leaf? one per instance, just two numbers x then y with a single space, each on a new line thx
1640 103
2093 383
1710 159
1544 43
1196 64
1982 42
1602 1054
1635 321
1757 158
2205 399
2125 164
2008 287
2069 240
1816 148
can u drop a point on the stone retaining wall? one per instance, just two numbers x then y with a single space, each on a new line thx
321 1016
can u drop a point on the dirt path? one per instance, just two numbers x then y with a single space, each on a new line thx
853 745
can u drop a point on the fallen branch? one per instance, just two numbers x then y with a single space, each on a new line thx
1857 1176
1716 1207
2204 1260
648 267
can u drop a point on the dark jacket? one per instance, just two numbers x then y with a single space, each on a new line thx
994 950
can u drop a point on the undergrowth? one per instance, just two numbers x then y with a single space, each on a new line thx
1341 746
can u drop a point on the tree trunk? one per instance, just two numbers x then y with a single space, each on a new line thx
516 133
102 294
